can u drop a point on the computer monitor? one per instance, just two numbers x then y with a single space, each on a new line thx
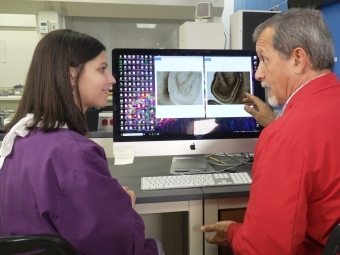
304 3
184 102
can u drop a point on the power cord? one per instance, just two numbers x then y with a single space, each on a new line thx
247 157
229 161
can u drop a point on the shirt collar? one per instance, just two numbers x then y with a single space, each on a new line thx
19 129
285 105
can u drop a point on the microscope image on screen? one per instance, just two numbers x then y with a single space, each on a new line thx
179 88
227 87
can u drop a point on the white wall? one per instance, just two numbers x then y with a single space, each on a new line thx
19 38
19 42
227 11
115 33
19 47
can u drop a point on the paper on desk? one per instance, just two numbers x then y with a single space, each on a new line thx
124 155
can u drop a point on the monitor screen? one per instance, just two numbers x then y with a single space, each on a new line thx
304 3
183 102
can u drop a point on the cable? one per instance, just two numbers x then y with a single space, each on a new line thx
225 32
225 40
238 159
230 161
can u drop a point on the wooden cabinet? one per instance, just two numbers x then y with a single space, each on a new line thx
230 214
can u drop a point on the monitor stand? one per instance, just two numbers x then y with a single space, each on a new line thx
190 165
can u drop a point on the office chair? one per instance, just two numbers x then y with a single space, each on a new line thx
36 244
332 245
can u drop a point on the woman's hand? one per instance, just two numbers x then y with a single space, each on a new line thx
131 194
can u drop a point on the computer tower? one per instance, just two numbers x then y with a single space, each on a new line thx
242 26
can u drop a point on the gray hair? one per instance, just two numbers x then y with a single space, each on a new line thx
301 27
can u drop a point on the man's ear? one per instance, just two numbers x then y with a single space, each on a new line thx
300 60
73 75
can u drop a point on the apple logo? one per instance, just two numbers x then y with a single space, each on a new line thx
192 147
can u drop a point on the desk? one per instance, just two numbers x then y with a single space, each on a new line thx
163 201
219 198
201 204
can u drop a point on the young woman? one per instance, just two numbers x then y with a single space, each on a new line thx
53 179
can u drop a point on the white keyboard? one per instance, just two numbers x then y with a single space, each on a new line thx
194 180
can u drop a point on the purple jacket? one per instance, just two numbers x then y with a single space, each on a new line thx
59 183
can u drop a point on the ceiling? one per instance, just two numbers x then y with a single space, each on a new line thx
137 9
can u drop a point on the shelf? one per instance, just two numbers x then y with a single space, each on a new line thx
10 98
17 98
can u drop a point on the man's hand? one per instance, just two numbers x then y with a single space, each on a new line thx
220 238
131 194
259 110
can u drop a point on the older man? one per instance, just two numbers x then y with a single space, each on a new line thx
295 195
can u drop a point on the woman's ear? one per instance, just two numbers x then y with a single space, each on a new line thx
73 75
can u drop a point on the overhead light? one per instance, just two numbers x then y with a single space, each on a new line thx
141 25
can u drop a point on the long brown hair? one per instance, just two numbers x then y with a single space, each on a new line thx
48 92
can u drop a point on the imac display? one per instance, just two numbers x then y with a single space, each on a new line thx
304 3
184 102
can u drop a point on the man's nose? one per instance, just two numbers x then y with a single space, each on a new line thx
259 75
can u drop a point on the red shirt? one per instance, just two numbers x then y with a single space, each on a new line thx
295 195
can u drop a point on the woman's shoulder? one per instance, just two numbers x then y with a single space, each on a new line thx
63 142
